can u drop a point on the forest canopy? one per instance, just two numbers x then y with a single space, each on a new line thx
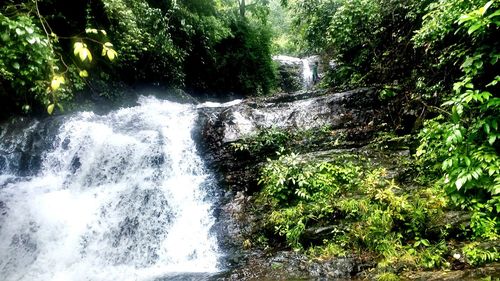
54 48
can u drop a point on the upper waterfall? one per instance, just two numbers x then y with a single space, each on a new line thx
122 196
295 74
307 74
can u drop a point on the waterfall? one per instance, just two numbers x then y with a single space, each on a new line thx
307 74
121 196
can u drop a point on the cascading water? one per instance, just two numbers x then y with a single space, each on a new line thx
307 74
123 196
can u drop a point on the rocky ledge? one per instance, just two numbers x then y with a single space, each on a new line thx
353 120
356 115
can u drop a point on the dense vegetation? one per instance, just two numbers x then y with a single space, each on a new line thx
439 56
435 60
53 48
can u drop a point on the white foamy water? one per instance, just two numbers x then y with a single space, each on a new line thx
124 196
307 74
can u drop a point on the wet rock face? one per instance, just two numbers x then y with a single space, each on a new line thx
357 110
21 156
293 266
304 110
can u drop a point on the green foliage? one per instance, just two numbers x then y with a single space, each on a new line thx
475 255
465 141
35 62
284 41
27 59
328 250
51 49
376 215
141 34
272 140
370 41
387 276
244 63
268 140
483 225
424 53
288 179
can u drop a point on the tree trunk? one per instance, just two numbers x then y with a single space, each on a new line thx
242 8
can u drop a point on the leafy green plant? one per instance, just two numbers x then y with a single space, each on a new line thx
26 58
289 178
387 276
465 141
266 140
476 256
327 250
33 62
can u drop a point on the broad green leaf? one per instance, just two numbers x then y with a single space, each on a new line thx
464 18
467 161
50 109
475 27
85 54
459 183
495 14
486 128
485 8
56 82
494 124
492 139
20 31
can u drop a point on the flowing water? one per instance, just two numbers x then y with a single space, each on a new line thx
121 196
307 74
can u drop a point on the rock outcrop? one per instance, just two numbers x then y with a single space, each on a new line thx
353 120
354 115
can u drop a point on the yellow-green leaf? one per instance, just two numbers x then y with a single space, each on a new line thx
77 47
85 54
84 73
55 84
50 109
112 54
91 30
486 7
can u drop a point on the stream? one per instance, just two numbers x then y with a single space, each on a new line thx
119 196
